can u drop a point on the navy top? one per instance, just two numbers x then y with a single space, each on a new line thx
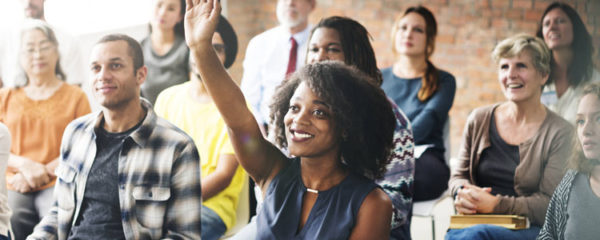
427 118
332 217
498 163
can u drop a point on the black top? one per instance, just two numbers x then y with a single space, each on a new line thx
100 216
497 164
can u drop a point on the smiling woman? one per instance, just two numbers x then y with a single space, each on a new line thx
513 153
337 123
572 48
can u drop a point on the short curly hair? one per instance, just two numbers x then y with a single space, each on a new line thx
361 113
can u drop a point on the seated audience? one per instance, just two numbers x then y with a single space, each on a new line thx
343 39
572 67
165 51
575 205
425 93
326 190
190 108
4 209
513 153
124 173
37 113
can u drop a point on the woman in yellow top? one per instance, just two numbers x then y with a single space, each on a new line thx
190 108
36 112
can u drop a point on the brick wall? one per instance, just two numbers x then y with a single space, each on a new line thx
468 31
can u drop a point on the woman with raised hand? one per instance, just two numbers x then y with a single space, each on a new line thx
575 205
191 109
165 53
37 112
344 39
425 93
327 190
513 153
572 67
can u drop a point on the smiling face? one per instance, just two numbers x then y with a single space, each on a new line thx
557 29
39 55
115 82
324 45
167 13
519 79
588 126
310 129
410 37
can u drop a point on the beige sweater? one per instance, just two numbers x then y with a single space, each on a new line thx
542 163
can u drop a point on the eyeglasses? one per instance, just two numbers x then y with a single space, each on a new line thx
219 47
41 50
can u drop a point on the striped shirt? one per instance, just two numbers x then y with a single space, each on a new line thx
159 180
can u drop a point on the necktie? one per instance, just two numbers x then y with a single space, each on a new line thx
291 67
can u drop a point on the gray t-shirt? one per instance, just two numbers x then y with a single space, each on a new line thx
583 210
166 70
100 216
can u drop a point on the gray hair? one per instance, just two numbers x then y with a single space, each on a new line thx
35 24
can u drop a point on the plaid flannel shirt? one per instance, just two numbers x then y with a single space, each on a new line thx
159 181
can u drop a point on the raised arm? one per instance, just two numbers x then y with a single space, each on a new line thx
259 157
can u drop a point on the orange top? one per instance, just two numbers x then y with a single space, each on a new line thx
37 126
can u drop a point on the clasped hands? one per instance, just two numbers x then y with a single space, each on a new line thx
471 199
30 175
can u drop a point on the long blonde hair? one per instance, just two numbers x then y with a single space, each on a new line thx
578 161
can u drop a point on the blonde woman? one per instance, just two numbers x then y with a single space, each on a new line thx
513 153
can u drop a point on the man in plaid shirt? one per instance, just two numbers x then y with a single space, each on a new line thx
124 173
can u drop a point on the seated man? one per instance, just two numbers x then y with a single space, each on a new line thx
190 108
124 173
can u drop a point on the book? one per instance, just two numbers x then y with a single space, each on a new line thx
513 222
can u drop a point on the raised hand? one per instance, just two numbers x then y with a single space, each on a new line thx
200 22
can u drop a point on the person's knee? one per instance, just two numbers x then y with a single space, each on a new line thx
480 231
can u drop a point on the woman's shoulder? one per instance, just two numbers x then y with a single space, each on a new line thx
557 123
73 91
444 75
482 113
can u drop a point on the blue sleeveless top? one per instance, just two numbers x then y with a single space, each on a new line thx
332 217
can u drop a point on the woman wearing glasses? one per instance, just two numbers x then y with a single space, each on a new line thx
36 112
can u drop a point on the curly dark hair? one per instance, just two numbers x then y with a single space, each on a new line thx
360 111
580 69
356 44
